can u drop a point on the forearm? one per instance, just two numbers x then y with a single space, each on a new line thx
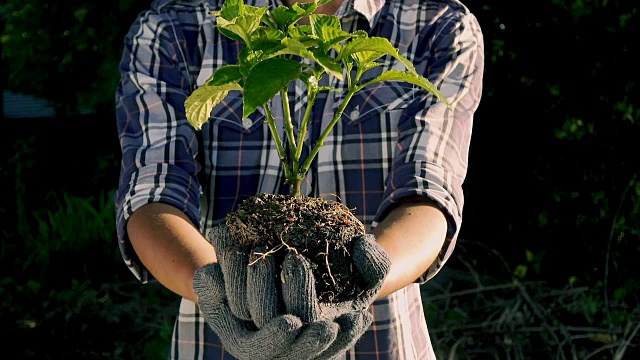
412 234
170 246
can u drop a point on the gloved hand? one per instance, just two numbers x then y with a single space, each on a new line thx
242 339
250 324
351 315
249 295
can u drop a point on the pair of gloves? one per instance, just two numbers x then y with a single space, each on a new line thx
260 312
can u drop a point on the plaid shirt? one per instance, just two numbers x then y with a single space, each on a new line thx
394 141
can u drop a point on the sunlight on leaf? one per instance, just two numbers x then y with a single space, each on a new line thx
375 44
199 104
242 26
231 9
395 75
363 58
328 30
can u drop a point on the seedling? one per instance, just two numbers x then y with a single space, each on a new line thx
278 50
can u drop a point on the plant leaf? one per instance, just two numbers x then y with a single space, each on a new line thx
376 44
329 64
295 47
301 31
242 26
225 74
396 75
265 80
247 59
363 58
306 8
267 40
199 104
321 21
285 16
368 66
328 30
231 9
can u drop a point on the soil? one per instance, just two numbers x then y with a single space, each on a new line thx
319 229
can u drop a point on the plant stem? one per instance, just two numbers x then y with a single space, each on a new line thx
279 147
288 129
307 163
295 187
302 133
296 180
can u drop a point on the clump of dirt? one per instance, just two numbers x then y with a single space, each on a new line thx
319 229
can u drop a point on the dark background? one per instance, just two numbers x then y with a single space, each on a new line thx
547 260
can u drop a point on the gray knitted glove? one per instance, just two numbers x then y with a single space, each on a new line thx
242 305
277 339
352 316
261 303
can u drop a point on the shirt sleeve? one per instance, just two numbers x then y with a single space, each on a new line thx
157 142
432 150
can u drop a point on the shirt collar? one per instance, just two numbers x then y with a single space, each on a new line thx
370 9
159 4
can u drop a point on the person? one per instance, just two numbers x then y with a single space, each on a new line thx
398 157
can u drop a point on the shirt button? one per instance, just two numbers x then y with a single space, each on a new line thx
247 123
354 114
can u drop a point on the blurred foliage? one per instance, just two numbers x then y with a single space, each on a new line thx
65 51
478 311
556 132
63 281
550 271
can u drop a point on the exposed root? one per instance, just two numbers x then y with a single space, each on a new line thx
326 259
319 229
263 255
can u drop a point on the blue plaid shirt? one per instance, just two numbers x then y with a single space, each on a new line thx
394 141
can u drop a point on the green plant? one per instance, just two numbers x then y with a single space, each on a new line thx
278 51
281 49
